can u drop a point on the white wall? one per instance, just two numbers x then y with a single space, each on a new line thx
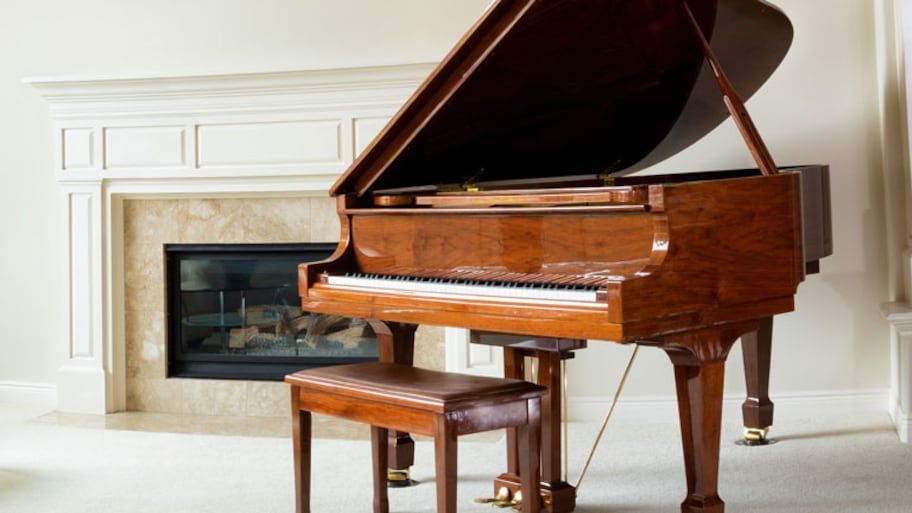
149 38
821 106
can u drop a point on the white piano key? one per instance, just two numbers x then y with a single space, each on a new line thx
442 286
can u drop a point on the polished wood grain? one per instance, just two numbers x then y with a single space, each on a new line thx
756 352
699 364
437 404
301 436
396 343
817 243
704 253
615 197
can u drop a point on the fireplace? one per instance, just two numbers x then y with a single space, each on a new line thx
233 312
240 158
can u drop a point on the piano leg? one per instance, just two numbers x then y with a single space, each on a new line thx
563 495
699 364
757 409
396 344
559 496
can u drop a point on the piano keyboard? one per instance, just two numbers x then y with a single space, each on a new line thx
502 289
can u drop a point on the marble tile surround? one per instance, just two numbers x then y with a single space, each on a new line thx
151 223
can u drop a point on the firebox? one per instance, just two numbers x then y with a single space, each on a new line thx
234 313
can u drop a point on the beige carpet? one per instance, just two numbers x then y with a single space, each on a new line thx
821 463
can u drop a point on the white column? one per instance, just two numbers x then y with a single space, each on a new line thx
900 316
83 381
893 20
467 358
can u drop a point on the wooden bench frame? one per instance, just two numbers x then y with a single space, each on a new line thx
437 404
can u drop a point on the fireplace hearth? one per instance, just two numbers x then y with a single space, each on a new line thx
234 313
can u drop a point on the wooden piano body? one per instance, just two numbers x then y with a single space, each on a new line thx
500 197
685 255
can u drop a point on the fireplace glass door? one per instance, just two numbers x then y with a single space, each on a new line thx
234 312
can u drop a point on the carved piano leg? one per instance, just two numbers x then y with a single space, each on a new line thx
396 343
559 496
699 363
757 409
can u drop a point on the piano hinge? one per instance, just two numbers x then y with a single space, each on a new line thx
471 184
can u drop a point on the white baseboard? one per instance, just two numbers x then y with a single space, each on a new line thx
41 396
903 422
664 408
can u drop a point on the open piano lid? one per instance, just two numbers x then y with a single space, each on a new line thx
540 89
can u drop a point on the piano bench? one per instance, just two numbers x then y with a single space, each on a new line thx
400 397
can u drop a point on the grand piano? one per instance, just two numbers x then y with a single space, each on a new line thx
504 198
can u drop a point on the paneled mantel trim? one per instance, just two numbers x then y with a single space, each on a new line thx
210 126
242 135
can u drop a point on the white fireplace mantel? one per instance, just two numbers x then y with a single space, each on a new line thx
244 135
895 22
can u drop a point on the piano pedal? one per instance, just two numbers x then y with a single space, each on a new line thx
399 478
516 501
503 499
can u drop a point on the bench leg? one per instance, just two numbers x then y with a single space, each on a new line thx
445 461
301 433
380 460
529 436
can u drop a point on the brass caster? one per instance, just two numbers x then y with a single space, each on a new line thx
399 478
755 436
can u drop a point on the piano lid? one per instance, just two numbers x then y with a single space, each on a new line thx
548 88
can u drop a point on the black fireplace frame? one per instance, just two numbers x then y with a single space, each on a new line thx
182 364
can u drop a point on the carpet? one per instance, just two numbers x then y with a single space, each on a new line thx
821 463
